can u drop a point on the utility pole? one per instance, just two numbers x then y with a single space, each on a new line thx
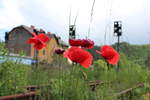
118 33
72 31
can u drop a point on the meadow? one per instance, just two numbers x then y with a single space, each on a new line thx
63 81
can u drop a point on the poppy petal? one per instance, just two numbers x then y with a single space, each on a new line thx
66 53
34 34
114 60
39 46
43 37
32 40
98 52
59 51
74 42
38 40
79 55
87 62
109 54
85 43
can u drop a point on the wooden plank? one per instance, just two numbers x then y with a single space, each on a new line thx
130 89
21 96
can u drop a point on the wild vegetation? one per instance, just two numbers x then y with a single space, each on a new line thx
139 54
63 81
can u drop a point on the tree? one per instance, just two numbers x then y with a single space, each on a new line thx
147 62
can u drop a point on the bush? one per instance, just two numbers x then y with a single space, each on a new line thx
13 77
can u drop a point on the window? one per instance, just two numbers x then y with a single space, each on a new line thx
43 52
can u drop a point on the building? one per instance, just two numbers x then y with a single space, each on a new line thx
46 54
16 42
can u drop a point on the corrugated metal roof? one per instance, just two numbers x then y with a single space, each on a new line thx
27 28
31 30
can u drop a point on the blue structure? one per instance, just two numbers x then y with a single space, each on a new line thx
22 60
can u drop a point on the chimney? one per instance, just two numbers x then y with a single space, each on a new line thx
58 37
42 31
32 26
49 33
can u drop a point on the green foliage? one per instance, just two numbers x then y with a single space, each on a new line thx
147 62
135 53
3 50
96 56
139 54
39 76
70 86
13 76
73 85
66 82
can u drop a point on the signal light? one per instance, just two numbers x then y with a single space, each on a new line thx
72 32
117 28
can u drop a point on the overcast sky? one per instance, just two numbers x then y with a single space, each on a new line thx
53 16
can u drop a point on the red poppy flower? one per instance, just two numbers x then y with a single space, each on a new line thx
85 43
75 42
79 55
59 51
109 54
38 40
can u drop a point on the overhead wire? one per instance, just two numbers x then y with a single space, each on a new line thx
74 23
147 22
108 22
125 38
70 17
144 12
77 13
91 19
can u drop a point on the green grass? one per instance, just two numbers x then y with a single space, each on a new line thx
65 82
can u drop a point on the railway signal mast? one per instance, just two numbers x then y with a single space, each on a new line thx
72 31
118 34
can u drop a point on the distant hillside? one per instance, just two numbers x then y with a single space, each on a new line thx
137 53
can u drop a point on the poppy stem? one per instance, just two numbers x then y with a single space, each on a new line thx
108 66
62 76
71 76
36 52
59 77
76 80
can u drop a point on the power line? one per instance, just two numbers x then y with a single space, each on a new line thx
76 17
146 17
70 17
72 28
91 18
108 23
